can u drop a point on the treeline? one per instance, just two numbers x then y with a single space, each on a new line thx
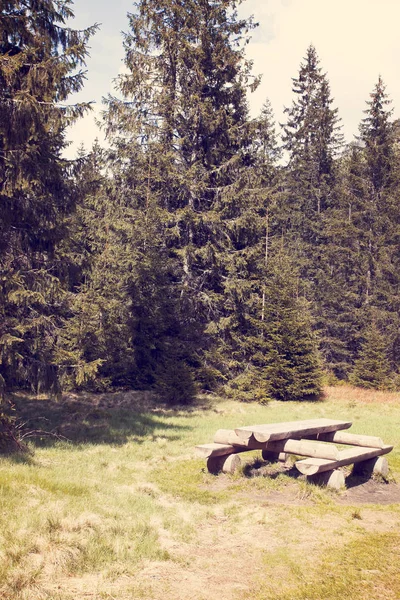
201 251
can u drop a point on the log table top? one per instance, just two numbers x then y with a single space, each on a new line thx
290 429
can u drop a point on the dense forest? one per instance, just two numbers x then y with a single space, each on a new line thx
203 250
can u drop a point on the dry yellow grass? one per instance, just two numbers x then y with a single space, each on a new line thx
347 393
126 511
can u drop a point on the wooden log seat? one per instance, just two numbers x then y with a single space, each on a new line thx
313 438
311 466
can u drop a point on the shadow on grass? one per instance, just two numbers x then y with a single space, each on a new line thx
91 419
272 470
357 479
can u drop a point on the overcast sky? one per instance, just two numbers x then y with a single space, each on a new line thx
356 40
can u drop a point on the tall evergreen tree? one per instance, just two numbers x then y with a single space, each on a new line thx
185 101
377 134
372 188
372 366
97 262
312 140
41 62
292 362
361 231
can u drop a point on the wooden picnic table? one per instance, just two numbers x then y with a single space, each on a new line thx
312 438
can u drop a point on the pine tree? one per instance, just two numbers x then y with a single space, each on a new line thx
376 132
375 219
338 308
95 337
185 102
247 328
40 66
370 200
293 366
312 140
372 367
360 252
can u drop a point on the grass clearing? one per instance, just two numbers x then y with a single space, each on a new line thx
126 510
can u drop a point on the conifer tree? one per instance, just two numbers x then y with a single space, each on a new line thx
41 62
378 211
312 139
371 199
361 229
337 307
376 132
95 333
248 327
372 366
293 366
185 102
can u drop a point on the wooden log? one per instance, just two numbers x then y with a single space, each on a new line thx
352 439
291 429
331 479
226 464
229 436
311 466
207 450
273 457
378 466
304 448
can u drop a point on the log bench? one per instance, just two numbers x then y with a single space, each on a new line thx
313 438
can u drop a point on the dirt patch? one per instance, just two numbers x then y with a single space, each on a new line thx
229 554
369 492
358 490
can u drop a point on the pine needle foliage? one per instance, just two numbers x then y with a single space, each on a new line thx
292 361
185 115
41 64
372 367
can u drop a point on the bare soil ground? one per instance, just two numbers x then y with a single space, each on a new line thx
229 555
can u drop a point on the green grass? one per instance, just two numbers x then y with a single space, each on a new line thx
86 518
364 568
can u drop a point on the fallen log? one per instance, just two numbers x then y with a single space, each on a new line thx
311 466
290 429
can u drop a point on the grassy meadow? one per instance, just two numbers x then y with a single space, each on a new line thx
123 509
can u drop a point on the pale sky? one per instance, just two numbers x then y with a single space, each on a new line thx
356 40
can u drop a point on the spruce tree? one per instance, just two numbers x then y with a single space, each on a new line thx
292 363
41 62
371 188
361 235
95 337
312 140
372 366
185 116
246 345
377 134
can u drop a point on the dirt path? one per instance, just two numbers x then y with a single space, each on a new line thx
227 559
